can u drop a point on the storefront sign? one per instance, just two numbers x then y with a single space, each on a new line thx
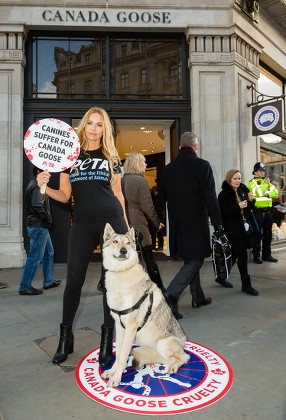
108 17
268 118
52 15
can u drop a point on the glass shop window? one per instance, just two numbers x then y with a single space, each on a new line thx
61 67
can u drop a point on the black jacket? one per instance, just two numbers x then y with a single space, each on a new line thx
38 207
187 186
232 215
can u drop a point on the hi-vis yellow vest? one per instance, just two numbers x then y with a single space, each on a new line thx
262 192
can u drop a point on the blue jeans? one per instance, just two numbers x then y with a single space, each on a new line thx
41 251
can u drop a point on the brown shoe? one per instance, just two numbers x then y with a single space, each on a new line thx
3 285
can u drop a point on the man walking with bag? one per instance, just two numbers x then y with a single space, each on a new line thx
188 187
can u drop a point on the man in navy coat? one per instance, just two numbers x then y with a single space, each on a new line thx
188 187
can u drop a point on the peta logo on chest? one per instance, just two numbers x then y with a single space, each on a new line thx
92 163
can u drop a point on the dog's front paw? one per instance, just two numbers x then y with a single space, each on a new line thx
173 367
107 374
114 381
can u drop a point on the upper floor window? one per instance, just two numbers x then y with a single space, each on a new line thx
143 76
123 50
89 86
87 59
89 63
124 80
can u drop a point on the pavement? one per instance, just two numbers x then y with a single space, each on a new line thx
248 331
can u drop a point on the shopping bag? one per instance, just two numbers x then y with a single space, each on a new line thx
221 256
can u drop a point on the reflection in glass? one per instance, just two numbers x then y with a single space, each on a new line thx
77 67
152 68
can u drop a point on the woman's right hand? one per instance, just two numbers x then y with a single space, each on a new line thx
43 178
243 204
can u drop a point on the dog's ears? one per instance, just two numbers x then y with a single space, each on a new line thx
108 232
131 233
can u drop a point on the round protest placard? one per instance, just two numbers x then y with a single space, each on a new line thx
51 145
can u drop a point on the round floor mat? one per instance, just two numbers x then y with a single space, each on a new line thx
205 379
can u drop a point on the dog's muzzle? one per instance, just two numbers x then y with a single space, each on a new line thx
122 254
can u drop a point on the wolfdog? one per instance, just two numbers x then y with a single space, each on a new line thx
142 316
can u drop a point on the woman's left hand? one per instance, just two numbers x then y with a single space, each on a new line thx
250 196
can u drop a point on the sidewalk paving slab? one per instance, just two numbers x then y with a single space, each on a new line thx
248 331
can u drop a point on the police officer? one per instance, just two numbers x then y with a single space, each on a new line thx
263 192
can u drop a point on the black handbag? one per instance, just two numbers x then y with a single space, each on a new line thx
221 256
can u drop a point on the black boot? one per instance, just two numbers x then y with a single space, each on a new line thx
65 346
173 303
105 353
156 278
224 283
246 286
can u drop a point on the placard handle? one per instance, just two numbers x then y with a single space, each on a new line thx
43 188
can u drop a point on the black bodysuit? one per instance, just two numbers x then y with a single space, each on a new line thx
94 205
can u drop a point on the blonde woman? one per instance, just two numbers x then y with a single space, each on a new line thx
236 203
94 181
140 209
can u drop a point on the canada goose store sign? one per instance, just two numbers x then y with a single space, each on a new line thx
107 16
204 380
267 118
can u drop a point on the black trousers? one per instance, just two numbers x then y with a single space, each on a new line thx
149 258
157 235
189 274
239 255
264 220
83 239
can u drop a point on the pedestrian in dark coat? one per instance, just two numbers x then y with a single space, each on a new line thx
39 222
236 204
188 187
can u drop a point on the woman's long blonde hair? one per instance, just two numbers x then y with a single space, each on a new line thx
107 140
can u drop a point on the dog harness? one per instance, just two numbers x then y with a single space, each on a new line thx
137 306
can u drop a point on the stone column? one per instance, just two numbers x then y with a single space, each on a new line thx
12 63
222 63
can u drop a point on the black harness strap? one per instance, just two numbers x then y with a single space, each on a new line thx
148 313
137 306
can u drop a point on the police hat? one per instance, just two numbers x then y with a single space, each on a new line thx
258 166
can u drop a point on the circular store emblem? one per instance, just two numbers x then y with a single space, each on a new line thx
266 118
205 379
